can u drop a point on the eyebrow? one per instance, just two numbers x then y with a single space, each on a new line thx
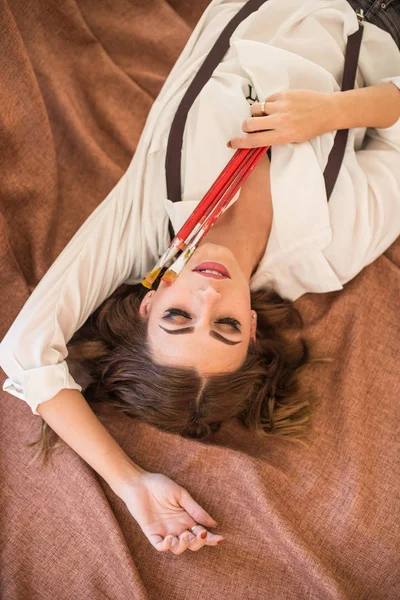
212 333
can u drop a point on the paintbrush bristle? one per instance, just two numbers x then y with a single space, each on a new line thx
150 278
169 277
147 284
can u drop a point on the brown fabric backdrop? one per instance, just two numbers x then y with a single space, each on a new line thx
323 522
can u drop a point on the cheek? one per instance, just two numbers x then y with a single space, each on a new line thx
241 298
168 296
153 330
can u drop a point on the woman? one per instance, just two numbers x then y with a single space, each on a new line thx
279 240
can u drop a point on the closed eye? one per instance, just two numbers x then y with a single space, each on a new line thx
224 320
212 333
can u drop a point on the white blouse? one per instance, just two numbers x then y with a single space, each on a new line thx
314 246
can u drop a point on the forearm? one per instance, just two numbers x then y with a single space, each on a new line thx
373 106
71 417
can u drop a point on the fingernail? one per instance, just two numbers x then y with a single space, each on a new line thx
203 534
220 541
229 145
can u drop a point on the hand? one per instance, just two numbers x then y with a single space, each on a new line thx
165 511
291 116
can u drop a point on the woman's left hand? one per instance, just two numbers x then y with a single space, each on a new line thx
291 116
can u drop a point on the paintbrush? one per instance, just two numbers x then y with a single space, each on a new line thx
202 209
219 208
193 225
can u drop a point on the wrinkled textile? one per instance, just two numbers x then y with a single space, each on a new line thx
321 522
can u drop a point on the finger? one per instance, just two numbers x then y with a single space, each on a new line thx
210 539
201 534
199 541
269 108
194 509
183 543
159 543
256 140
172 542
260 123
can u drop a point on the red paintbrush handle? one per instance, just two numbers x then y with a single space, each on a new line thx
235 185
229 179
232 178
212 194
223 202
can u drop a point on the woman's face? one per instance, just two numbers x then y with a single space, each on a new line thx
197 338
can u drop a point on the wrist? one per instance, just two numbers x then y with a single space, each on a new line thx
362 107
331 109
341 108
121 470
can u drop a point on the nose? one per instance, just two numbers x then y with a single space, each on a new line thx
207 294
205 298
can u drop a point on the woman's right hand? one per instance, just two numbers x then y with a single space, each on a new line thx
165 512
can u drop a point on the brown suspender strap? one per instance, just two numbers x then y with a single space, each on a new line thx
335 158
175 138
217 52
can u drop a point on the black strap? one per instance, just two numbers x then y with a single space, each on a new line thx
217 52
175 138
335 158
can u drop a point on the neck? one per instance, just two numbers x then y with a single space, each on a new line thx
245 227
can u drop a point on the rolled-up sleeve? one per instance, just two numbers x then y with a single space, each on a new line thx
92 265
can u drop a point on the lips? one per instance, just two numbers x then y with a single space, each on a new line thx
213 266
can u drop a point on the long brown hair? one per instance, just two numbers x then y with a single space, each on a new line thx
264 394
